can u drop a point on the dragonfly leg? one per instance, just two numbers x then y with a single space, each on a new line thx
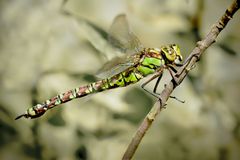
156 85
171 69
173 97
159 75
186 63
154 92
190 58
172 72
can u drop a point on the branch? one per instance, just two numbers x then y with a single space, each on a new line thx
182 72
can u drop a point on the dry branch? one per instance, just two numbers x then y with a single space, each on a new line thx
182 72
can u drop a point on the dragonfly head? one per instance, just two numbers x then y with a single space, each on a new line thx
172 53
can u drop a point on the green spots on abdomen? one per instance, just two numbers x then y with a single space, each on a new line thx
131 78
125 78
58 100
119 81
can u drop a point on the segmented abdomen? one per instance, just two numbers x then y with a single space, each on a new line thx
119 80
132 75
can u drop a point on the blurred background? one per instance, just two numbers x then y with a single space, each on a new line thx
44 52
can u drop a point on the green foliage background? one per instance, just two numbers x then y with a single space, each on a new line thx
44 52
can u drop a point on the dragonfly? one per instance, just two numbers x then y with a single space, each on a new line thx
136 63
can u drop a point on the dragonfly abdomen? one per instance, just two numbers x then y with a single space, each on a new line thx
40 109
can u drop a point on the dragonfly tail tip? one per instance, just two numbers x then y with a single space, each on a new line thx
20 116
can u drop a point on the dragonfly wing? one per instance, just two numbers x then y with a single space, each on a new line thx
122 38
116 66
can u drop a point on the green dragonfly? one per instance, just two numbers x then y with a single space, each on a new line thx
138 63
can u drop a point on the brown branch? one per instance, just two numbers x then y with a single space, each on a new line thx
181 74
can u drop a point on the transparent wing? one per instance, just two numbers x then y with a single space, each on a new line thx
122 38
117 65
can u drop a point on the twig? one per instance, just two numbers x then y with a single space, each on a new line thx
180 75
